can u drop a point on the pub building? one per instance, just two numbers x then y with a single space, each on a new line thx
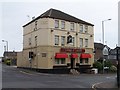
57 42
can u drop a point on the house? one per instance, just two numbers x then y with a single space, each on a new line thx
99 51
10 55
57 41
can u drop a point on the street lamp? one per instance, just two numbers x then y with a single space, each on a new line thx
6 43
103 39
103 29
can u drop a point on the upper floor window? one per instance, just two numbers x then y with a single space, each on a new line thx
56 40
56 23
29 41
72 26
62 40
86 42
35 40
35 25
73 40
62 24
86 28
81 42
81 28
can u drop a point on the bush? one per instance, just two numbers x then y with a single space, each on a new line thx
97 65
8 62
113 68
108 64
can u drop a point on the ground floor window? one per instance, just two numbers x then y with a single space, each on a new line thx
84 61
60 61
81 60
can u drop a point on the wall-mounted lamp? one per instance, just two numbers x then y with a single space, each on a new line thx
52 30
76 33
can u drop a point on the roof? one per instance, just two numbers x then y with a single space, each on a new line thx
56 14
100 46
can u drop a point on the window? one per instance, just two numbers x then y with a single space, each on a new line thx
56 40
56 23
56 61
35 25
62 24
29 41
81 60
72 27
35 40
86 42
81 42
60 61
81 28
73 40
86 28
62 40
86 60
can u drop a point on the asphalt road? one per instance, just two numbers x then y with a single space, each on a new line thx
13 77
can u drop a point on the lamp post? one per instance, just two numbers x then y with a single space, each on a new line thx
6 44
7 48
103 38
103 29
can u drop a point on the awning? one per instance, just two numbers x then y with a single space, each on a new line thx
74 56
85 55
61 55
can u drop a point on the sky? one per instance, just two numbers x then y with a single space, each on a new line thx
14 14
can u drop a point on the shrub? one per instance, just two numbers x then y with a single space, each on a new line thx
113 68
97 65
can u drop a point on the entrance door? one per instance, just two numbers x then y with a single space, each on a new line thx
72 63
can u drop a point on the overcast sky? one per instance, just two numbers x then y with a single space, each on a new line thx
13 15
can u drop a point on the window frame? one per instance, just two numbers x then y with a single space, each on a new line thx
56 23
81 42
72 26
62 24
81 28
56 40
62 40
86 42
86 28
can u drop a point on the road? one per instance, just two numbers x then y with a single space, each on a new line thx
13 77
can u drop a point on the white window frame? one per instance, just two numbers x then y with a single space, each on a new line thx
62 24
72 26
56 23
62 40
56 40
29 41
81 28
73 41
81 42
86 28
86 42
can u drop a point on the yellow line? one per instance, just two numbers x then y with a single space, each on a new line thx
26 73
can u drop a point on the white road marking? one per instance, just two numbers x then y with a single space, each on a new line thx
26 73
93 86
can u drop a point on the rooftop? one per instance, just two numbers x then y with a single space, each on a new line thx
57 14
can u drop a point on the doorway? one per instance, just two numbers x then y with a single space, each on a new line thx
72 63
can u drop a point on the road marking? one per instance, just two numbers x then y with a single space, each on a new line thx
93 86
26 72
